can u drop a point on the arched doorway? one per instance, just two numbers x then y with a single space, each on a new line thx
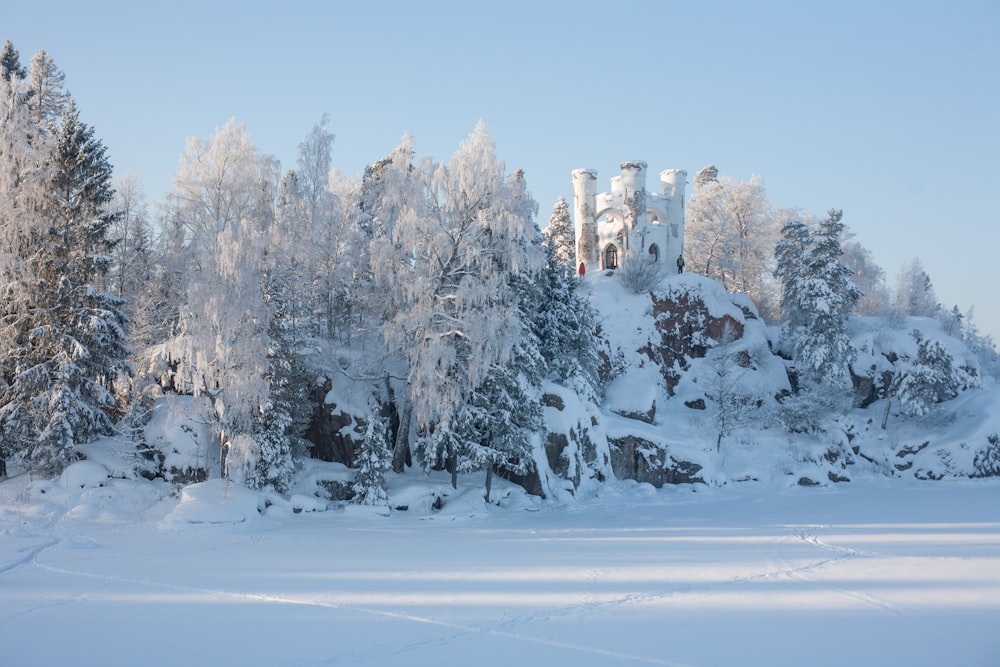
654 253
611 257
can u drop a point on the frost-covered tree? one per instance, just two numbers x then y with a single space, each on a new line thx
869 277
817 298
707 174
563 322
929 378
10 63
46 84
25 175
132 232
374 461
562 235
462 237
724 376
70 335
915 292
730 233
982 346
225 346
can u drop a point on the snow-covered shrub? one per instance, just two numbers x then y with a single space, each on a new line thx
639 274
930 378
987 459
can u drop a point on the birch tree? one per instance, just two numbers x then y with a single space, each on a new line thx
463 235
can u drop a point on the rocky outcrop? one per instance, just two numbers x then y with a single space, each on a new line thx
334 433
633 457
686 330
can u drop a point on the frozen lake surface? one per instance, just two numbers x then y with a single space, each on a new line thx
876 574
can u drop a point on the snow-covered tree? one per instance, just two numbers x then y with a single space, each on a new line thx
929 378
562 235
869 277
46 84
724 376
915 292
10 63
25 176
375 460
817 298
225 346
462 237
563 323
707 174
70 335
730 233
132 233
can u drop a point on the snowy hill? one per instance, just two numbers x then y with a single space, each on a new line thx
670 359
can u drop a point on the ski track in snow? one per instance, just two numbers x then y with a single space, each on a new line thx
505 628
803 573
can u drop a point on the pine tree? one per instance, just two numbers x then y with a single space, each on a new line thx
61 390
562 235
915 293
563 322
929 378
375 460
817 298
10 63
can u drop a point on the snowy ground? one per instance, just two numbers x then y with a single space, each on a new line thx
872 574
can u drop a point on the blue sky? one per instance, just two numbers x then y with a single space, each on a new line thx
887 110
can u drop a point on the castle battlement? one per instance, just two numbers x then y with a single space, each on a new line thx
628 220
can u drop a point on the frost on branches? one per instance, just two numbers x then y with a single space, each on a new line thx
375 459
817 298
931 377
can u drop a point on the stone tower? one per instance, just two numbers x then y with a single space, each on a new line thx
629 221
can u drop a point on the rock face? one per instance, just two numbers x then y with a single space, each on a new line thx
687 330
334 433
635 458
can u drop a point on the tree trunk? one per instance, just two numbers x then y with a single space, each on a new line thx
885 415
453 466
489 480
401 451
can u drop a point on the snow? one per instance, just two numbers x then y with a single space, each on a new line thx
873 573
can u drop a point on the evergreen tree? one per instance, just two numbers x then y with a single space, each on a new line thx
929 378
817 298
10 63
563 322
915 293
707 174
61 390
375 460
562 235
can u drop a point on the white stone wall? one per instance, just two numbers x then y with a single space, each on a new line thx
629 219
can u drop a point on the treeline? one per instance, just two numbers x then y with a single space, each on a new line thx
434 272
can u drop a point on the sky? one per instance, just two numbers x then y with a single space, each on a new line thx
885 110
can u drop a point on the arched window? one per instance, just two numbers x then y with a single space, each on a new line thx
611 257
654 253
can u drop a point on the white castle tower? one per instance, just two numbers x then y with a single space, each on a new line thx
629 220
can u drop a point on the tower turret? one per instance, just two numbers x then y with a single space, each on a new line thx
584 221
634 186
674 182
